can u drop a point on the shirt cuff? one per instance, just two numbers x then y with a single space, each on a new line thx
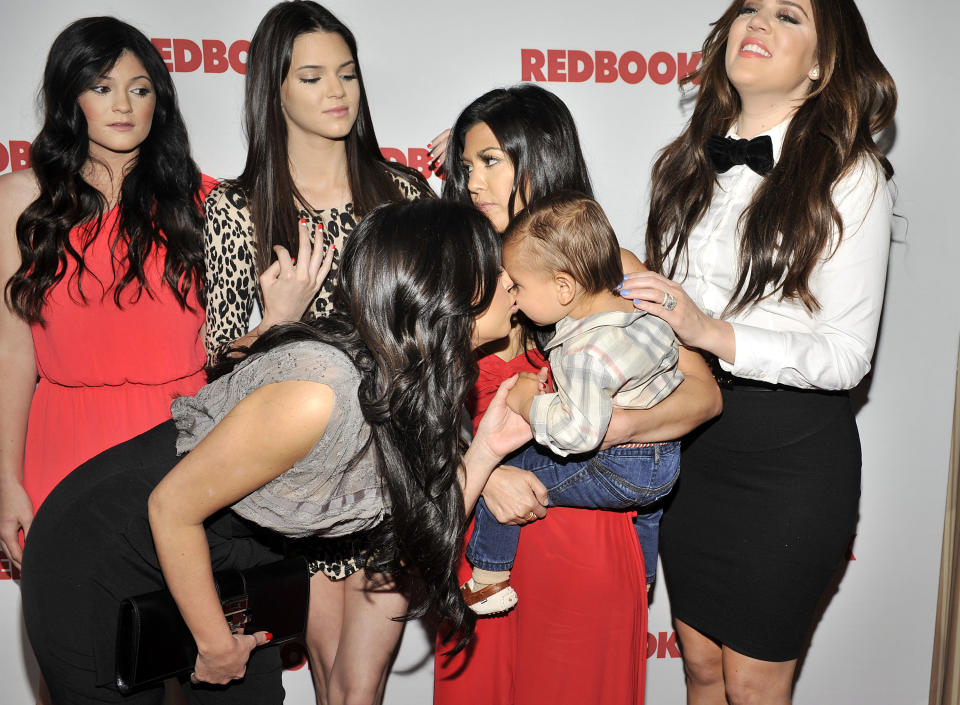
539 410
761 353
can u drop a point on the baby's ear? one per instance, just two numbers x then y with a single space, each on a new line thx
566 287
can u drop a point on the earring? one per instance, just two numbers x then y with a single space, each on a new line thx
814 74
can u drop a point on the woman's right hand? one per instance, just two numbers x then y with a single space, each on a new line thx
513 494
227 661
438 150
501 430
16 513
289 287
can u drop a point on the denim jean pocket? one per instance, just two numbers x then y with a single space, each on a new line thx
643 477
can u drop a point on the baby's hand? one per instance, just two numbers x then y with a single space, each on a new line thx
523 392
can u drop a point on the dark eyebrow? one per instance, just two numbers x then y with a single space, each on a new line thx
105 77
317 66
793 4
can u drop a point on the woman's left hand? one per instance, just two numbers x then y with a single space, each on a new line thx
229 662
666 299
502 430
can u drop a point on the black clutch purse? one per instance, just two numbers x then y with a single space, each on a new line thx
154 643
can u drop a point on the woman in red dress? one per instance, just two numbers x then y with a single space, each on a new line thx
101 264
579 633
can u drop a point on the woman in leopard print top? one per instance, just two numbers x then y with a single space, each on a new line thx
313 157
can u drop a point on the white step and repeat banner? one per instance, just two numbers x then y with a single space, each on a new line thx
616 64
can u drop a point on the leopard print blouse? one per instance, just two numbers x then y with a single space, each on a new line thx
231 281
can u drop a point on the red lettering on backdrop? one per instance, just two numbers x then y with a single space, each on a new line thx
577 66
556 65
606 66
531 65
19 155
415 157
662 68
214 56
632 59
663 645
15 154
241 46
163 45
186 55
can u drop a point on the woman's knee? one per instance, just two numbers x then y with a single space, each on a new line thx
702 657
342 692
752 682
702 667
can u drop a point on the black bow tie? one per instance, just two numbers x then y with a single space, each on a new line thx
726 152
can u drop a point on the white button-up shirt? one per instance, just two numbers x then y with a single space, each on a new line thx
781 342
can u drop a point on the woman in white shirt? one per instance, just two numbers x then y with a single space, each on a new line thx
770 224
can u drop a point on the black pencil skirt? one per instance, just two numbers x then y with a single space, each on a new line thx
761 518
90 546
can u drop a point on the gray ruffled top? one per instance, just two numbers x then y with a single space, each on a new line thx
322 494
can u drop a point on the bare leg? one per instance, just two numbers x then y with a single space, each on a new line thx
368 638
702 666
324 622
749 681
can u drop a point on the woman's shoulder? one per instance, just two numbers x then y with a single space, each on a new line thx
862 185
18 189
227 213
305 360
225 198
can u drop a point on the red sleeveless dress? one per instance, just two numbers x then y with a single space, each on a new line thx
107 373
579 632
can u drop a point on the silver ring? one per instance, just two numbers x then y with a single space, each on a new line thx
193 677
669 302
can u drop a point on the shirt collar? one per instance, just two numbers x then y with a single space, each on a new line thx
570 327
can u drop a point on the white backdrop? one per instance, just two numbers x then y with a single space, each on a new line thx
423 61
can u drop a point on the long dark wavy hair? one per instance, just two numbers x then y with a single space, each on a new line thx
160 204
413 278
536 130
782 238
266 178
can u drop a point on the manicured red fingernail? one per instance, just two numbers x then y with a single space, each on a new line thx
319 226
429 145
269 636
303 221
334 247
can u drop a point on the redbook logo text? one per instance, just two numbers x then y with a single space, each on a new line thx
576 66
415 157
14 154
662 645
213 55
